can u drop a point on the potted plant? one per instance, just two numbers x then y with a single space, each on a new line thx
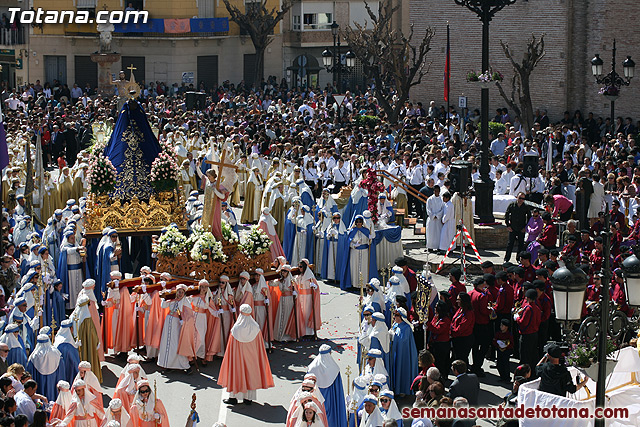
585 357
610 92
472 76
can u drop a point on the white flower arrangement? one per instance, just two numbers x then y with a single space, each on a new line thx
164 170
227 233
172 242
101 175
255 243
206 243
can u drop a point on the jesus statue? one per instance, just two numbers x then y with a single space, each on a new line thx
214 194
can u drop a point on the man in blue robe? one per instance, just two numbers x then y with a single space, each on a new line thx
68 347
404 363
45 367
329 382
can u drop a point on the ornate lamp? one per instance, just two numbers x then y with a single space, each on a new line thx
351 59
327 58
596 65
629 67
631 268
569 285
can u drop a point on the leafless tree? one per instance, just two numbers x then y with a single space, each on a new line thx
520 99
389 57
258 22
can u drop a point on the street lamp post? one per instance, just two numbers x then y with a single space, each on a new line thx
332 60
485 9
612 82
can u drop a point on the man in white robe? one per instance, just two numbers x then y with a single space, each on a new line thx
435 208
448 223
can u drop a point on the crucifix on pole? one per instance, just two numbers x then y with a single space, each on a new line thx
221 166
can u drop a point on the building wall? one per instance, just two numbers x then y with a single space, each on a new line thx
574 31
165 60
514 24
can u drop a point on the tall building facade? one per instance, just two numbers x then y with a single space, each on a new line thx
210 49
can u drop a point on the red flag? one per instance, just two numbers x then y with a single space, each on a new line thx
447 69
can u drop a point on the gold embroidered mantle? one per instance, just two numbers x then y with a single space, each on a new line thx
135 216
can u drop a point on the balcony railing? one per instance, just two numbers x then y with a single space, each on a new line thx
161 28
13 36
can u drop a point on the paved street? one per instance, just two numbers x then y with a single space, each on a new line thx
288 363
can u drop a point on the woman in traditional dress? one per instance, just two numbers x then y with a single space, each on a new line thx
268 224
65 185
285 324
277 203
126 389
260 304
309 320
202 309
147 410
251 208
335 238
245 367
290 227
170 355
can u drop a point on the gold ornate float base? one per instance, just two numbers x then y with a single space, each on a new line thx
183 265
135 216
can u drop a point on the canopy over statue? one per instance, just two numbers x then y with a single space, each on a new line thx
132 149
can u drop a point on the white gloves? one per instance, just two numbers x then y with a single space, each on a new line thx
65 296
181 322
313 286
79 343
156 416
220 311
144 288
233 309
116 283
266 301
104 303
295 293
163 284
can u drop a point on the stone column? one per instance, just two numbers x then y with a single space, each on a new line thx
104 61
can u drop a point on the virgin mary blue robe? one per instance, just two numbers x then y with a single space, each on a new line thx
353 209
404 360
47 383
